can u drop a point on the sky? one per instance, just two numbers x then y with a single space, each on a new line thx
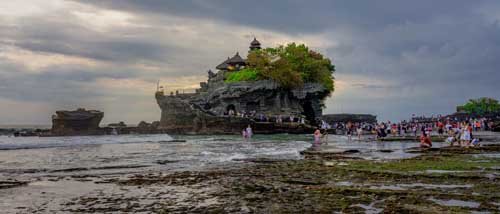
393 58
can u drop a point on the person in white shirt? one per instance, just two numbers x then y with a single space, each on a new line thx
249 131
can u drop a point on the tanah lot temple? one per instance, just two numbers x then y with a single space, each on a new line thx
221 107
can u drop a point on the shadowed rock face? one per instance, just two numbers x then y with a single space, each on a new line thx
207 110
496 126
79 122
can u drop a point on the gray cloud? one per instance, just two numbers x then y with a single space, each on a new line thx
298 16
393 57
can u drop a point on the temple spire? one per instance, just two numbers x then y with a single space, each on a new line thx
255 44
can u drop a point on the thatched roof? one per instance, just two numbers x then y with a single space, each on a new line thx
223 65
236 59
255 44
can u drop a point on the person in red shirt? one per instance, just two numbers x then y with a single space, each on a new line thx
425 141
440 128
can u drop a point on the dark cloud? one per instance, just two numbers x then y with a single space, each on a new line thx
297 16
397 57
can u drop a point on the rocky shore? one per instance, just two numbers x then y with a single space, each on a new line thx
440 180
463 181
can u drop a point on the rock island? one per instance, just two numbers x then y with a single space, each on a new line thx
274 90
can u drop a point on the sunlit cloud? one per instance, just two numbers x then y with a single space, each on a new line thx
23 8
37 62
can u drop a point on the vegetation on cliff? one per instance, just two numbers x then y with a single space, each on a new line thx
246 74
291 66
481 106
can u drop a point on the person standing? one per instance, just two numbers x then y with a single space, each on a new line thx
359 132
249 132
478 125
466 136
440 126
317 137
349 130
244 134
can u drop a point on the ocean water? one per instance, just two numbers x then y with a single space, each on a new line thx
35 156
122 153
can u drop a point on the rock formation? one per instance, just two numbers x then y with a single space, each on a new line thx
220 107
79 122
344 118
496 126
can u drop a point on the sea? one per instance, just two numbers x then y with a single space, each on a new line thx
133 152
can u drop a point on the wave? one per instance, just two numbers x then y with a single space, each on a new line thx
15 143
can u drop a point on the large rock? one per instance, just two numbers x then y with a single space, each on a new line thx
221 107
207 112
78 122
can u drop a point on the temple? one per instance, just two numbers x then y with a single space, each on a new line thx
222 107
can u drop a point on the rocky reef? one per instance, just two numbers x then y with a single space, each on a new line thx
344 118
219 106
78 122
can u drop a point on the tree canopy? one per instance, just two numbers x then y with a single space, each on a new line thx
481 106
291 66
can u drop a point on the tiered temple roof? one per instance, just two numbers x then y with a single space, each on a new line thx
236 61
255 44
223 65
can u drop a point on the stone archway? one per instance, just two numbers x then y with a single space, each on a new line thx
231 107
309 112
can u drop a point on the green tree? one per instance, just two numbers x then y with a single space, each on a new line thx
481 106
292 66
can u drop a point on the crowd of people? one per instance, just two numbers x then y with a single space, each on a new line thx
457 132
260 117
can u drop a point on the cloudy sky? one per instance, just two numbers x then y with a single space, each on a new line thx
393 58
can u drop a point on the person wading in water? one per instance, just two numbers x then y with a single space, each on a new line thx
317 138
425 141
